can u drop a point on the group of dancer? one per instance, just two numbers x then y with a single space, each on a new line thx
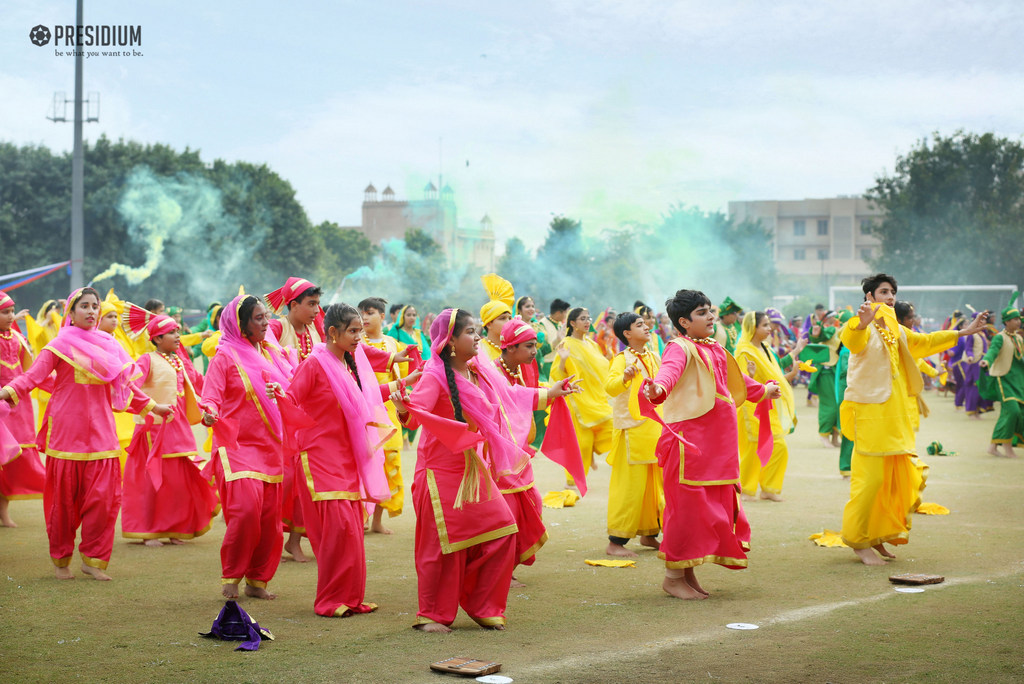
306 412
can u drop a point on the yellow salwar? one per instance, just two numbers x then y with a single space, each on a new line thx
39 331
636 496
886 478
393 447
782 415
591 414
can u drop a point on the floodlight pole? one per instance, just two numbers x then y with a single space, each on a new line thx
78 174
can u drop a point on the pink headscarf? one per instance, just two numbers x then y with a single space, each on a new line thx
365 417
5 300
96 354
259 365
499 411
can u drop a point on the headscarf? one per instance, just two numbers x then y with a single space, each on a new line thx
516 332
5 300
366 419
499 411
501 296
280 298
258 365
519 303
768 366
396 331
96 354
729 307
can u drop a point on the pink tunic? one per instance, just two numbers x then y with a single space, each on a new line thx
178 439
23 477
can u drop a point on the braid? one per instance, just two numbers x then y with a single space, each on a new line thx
352 367
452 387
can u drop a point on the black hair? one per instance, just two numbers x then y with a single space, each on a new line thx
212 304
819 307
377 303
308 292
558 305
462 319
872 283
153 304
338 316
519 304
86 291
758 317
215 321
573 315
53 304
641 308
683 304
623 322
903 309
394 308
245 310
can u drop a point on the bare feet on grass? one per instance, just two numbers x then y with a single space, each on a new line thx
868 557
826 442
377 526
294 547
177 542
96 573
230 592
259 592
153 542
5 517
748 497
650 542
64 573
771 496
680 588
993 449
1008 451
882 551
619 551
515 584
495 628
435 627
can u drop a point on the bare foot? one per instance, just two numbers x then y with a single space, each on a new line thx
837 439
650 542
377 526
64 573
5 518
690 575
993 449
678 587
1008 451
294 547
433 627
771 496
619 550
230 591
496 628
259 592
747 497
516 584
868 557
846 477
826 442
152 542
882 551
178 542
975 416
96 573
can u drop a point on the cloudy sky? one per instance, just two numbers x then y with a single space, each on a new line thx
609 111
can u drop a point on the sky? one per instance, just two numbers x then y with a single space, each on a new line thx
607 111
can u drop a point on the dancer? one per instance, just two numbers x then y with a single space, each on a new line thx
340 462
700 387
1004 363
405 331
465 532
373 311
239 401
823 380
760 363
165 496
730 313
554 329
580 357
885 485
635 493
24 476
969 352
83 473
842 372
496 312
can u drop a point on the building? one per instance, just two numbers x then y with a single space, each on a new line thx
386 217
824 238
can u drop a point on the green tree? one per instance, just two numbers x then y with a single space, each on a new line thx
419 241
953 211
345 250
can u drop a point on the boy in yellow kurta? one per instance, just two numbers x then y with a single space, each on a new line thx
882 381
496 312
636 497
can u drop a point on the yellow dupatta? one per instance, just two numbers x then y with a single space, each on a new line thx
590 367
766 368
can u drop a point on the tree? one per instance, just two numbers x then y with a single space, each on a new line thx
953 211
346 249
419 241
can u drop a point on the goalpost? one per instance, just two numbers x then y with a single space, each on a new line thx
934 301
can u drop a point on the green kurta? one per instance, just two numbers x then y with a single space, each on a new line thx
1010 426
824 380
846 448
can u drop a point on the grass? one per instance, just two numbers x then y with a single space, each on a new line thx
822 616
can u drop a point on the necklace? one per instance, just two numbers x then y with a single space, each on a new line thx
305 344
702 340
886 334
7 335
493 346
173 360
518 375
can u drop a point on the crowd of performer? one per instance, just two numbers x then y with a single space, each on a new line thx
305 412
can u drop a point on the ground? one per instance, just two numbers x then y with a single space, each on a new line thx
823 617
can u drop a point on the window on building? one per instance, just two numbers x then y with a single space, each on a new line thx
799 227
799 255
822 254
822 226
865 253
865 226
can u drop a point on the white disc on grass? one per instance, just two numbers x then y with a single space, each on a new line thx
741 625
494 679
910 590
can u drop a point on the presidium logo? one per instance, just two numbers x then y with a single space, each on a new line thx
96 36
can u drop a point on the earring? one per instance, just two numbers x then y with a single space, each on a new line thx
452 352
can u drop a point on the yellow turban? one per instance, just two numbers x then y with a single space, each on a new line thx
501 295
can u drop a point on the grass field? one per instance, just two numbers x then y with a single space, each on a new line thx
823 617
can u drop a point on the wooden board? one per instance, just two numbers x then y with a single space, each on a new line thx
468 667
911 578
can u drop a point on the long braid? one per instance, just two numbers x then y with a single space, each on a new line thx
453 389
350 360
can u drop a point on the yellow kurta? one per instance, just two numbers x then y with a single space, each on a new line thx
393 447
636 497
886 478
591 414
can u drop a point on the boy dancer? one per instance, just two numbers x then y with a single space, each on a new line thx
1005 364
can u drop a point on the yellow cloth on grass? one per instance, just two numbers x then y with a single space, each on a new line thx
932 509
611 563
827 538
562 499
